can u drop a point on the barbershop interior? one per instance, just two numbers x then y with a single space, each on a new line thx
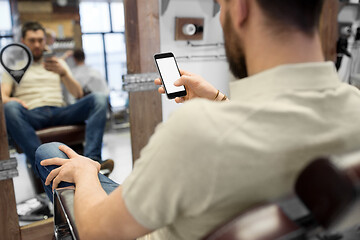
180 119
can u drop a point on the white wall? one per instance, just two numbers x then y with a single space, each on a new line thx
215 71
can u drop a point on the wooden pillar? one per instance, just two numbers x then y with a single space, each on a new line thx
9 223
329 29
142 42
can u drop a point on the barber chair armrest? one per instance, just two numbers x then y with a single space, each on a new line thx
64 217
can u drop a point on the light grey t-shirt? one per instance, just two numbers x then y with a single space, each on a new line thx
211 160
90 79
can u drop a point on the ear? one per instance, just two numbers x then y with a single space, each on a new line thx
242 11
22 40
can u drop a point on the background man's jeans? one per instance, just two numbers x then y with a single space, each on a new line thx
51 150
21 123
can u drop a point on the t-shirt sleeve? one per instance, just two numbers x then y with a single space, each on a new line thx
167 181
6 78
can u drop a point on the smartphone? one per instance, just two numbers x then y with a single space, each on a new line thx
169 73
47 55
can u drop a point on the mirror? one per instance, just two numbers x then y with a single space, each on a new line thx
16 58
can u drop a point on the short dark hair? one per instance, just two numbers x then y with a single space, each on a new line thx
303 15
31 26
79 55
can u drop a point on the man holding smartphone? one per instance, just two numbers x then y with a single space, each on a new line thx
212 159
37 101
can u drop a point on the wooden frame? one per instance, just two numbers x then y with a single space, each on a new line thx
142 42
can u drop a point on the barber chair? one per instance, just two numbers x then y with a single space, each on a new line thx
71 135
327 207
329 188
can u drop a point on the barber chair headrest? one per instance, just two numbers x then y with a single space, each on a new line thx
329 188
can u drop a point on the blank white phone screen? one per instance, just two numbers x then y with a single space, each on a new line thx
169 74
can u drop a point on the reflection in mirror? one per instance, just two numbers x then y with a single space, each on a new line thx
16 58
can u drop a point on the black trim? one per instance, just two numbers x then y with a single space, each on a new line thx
16 74
169 55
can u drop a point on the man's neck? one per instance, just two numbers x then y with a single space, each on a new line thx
291 48
80 64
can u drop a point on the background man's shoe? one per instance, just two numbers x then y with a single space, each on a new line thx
107 167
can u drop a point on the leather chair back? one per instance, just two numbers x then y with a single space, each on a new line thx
264 222
329 188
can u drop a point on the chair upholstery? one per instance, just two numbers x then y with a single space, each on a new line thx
264 222
71 135
329 187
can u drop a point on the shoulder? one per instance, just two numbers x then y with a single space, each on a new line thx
194 114
209 116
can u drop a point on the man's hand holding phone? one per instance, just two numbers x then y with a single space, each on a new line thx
196 87
169 73
51 63
182 85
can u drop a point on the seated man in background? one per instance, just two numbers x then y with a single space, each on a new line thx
89 78
212 159
37 101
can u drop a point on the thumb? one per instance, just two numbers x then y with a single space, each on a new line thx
180 81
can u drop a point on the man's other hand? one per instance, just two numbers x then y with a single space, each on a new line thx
17 100
71 169
52 64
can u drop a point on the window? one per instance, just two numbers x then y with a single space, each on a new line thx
95 17
5 24
103 25
117 16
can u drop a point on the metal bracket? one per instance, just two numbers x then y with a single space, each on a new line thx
8 169
164 6
139 82
216 8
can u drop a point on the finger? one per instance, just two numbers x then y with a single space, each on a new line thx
182 81
161 90
24 104
53 161
183 72
68 151
158 81
50 69
52 175
179 99
56 182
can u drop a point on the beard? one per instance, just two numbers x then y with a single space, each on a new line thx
37 54
234 52
37 58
